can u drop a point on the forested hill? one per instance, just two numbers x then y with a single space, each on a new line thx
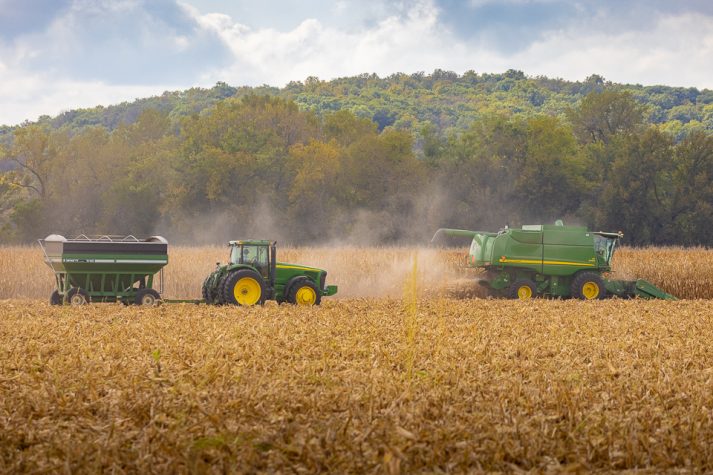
443 99
367 160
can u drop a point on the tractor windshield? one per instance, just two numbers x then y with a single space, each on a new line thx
252 255
604 247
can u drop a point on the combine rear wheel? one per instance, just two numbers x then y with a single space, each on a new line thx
522 289
304 292
148 297
77 296
244 287
588 286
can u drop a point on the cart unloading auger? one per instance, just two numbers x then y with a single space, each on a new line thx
550 260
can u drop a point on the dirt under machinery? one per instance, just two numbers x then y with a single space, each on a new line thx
550 260
123 269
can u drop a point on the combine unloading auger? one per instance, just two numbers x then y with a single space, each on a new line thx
550 260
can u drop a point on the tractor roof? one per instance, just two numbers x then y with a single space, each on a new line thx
253 242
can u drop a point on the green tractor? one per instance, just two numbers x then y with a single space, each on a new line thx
550 260
253 275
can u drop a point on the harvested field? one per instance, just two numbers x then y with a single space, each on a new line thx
357 385
395 375
373 272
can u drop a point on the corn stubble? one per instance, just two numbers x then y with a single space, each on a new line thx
408 379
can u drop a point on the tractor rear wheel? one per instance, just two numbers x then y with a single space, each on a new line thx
77 296
55 298
244 287
205 291
588 286
304 292
147 297
522 289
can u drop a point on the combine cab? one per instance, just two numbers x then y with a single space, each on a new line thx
550 260
253 275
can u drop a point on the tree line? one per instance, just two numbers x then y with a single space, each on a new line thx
266 166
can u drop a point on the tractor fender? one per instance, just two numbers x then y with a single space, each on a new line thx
235 267
292 281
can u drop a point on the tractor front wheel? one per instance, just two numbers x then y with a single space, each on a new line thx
244 287
147 297
77 296
304 292
588 286
55 298
522 289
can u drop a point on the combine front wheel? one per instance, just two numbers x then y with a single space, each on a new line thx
244 287
522 289
588 286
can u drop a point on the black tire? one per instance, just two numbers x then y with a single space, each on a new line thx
250 288
77 296
55 298
147 297
304 292
205 291
522 289
216 293
588 286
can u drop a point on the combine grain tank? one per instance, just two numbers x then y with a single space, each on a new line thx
105 268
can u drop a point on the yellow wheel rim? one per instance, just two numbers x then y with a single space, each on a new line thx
590 290
247 291
524 293
77 299
305 296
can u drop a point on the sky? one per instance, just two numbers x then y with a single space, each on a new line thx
57 55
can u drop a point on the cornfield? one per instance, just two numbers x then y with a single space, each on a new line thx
373 272
410 376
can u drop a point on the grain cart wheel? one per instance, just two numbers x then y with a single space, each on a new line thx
147 297
55 298
77 296
244 287
522 289
304 292
588 286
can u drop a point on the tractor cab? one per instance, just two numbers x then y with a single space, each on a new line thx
257 254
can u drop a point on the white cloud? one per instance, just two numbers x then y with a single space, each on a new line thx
171 47
675 50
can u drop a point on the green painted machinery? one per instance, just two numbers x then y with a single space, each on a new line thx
253 275
550 260
105 268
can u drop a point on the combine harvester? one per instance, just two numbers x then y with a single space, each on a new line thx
550 260
123 269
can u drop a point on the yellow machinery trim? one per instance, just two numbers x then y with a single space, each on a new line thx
281 266
547 263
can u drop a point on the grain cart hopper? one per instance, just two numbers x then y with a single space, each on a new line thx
550 260
253 275
105 268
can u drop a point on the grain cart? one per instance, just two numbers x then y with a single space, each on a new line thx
253 275
105 268
550 260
